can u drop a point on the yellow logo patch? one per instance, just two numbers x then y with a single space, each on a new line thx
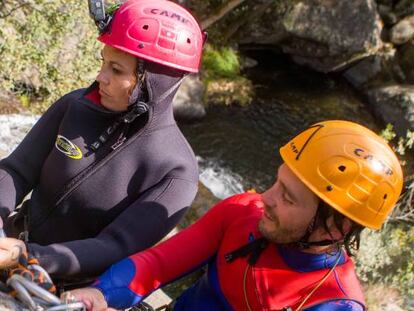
68 148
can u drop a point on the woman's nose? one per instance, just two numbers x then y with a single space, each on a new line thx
102 77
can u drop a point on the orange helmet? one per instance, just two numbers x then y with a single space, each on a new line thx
349 167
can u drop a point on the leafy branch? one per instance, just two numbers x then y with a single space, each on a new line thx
16 5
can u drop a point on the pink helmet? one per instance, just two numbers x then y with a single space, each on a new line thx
156 30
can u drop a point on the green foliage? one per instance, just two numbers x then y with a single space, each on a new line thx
388 133
403 143
386 257
222 75
48 48
221 63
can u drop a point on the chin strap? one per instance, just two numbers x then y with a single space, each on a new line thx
304 242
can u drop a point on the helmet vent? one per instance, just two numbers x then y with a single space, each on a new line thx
188 40
385 196
145 27
342 168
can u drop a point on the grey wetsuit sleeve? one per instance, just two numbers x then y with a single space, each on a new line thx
140 226
20 171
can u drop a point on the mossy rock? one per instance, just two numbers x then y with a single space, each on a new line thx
229 92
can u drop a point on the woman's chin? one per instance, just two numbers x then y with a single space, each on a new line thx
113 106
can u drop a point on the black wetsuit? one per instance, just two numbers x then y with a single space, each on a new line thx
90 209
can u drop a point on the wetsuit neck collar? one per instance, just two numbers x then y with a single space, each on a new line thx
306 262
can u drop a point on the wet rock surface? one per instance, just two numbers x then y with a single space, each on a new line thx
394 104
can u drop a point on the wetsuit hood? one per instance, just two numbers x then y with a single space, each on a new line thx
162 84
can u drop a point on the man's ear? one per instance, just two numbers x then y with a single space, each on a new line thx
334 232
346 225
339 233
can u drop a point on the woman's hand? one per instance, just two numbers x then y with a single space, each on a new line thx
10 251
91 297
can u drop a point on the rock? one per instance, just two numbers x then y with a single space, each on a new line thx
228 92
249 62
394 104
403 31
375 69
404 8
158 299
9 103
3 153
13 128
389 17
364 71
386 2
188 103
203 201
405 57
325 35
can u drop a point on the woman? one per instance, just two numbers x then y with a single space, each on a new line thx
110 171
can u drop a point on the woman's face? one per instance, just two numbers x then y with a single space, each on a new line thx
116 78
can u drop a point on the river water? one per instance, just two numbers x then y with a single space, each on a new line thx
238 147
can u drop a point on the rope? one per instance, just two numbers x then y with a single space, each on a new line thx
320 283
33 287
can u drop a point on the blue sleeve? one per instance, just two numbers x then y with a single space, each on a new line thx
114 285
338 305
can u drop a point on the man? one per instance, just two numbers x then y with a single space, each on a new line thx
285 249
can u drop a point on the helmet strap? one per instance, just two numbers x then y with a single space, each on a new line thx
139 91
304 242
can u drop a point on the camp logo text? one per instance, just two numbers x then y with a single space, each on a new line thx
363 154
171 15
68 148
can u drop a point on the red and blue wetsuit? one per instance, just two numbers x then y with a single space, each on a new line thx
282 277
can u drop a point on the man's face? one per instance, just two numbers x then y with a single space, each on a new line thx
289 208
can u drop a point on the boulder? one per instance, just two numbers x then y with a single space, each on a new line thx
387 15
394 104
378 69
203 201
406 60
403 31
188 103
325 35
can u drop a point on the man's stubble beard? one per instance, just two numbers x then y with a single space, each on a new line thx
277 234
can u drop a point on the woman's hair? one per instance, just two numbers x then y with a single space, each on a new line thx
351 236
